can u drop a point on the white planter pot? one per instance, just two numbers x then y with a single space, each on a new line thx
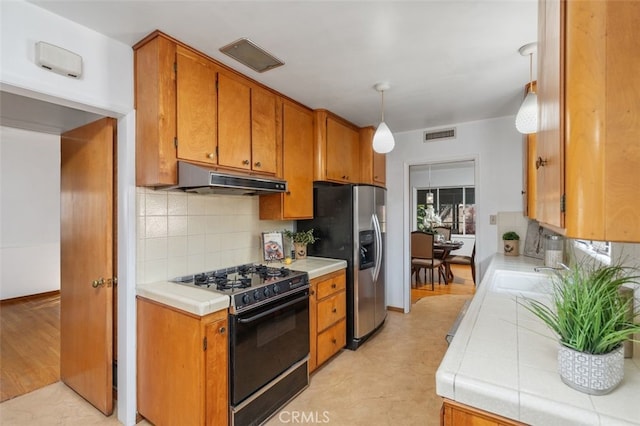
592 374
511 247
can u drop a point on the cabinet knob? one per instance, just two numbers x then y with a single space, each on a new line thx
334 341
257 164
288 192
540 162
334 285
211 156
222 330
245 162
334 310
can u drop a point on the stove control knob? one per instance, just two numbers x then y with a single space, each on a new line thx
246 299
256 295
267 292
276 289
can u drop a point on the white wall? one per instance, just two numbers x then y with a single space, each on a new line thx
496 147
29 213
183 234
106 88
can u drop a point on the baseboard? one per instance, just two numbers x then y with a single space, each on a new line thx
30 297
395 309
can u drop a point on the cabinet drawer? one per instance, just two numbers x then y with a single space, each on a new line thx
331 285
331 310
331 341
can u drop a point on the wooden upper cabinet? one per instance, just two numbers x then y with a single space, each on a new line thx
192 108
372 164
196 107
234 128
297 158
589 128
264 130
337 146
155 103
529 176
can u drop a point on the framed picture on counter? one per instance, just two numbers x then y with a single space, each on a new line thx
272 247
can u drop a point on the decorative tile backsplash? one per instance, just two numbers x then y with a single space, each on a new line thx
180 233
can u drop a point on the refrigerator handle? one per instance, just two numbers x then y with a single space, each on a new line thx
378 232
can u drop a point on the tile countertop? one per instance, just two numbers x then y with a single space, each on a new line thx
503 360
317 266
203 302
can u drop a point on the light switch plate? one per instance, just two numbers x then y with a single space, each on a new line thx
492 219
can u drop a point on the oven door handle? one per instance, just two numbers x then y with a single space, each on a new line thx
272 310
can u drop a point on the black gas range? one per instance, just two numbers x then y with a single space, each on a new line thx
249 285
268 336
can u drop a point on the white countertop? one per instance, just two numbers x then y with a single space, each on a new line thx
317 266
503 360
203 302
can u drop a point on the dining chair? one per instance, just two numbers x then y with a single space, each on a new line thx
422 256
465 260
445 231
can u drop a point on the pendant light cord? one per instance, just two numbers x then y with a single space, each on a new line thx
382 93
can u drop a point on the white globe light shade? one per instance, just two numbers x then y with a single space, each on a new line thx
527 117
383 141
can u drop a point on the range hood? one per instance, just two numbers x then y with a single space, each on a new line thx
202 180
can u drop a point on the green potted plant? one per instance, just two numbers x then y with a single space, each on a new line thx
300 240
511 243
592 319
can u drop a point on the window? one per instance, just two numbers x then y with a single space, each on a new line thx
455 206
597 248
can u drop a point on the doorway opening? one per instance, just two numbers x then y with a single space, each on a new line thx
442 200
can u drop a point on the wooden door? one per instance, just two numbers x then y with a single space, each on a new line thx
87 229
234 122
196 116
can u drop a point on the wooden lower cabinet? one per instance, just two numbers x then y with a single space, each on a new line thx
456 414
328 314
182 362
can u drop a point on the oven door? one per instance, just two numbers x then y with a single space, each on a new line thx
266 341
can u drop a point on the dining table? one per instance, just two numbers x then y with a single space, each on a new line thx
447 247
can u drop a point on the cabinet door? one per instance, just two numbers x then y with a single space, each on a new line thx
217 359
297 157
263 130
234 122
550 137
342 152
372 164
195 107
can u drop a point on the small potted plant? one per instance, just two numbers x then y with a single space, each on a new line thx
300 240
592 319
511 242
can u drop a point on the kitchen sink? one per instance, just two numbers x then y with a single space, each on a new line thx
521 283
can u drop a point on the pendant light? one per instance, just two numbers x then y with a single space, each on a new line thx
383 141
527 117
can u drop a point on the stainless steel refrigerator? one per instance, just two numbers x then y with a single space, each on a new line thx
350 222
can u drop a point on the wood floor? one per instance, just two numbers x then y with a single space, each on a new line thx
462 284
29 344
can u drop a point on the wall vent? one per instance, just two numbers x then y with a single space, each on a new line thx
439 134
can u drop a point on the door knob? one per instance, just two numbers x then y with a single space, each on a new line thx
97 283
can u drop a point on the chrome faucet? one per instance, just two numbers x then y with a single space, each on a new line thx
556 271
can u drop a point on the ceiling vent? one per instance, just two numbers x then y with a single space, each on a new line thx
439 135
250 54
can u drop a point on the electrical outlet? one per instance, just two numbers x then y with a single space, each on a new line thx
492 219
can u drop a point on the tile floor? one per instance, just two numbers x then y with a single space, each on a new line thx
390 380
